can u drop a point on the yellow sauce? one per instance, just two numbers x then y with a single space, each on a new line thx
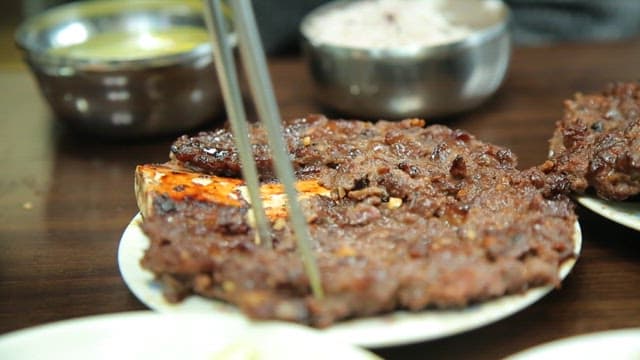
131 46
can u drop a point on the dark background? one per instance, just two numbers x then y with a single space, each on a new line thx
533 22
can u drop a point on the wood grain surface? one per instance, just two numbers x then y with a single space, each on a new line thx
66 198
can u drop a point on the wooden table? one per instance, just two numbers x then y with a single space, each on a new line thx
66 199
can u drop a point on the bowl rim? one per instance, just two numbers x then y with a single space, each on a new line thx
49 17
405 52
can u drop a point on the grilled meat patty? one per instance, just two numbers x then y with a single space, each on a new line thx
411 217
597 142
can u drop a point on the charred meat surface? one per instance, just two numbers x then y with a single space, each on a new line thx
416 217
597 143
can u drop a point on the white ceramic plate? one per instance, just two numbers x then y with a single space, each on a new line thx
149 335
400 327
615 344
626 213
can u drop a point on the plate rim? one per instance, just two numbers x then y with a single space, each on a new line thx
99 328
411 323
608 210
537 351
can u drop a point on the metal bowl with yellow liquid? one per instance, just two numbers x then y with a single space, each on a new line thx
124 68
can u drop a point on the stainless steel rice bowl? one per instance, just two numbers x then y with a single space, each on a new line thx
411 80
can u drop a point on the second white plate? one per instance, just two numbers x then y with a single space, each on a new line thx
400 327
149 335
626 213
613 344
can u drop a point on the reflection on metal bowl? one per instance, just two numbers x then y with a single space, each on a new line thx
124 68
420 80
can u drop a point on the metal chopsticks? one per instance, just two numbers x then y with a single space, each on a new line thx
253 59
226 71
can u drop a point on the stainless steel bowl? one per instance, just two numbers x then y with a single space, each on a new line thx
122 96
400 82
